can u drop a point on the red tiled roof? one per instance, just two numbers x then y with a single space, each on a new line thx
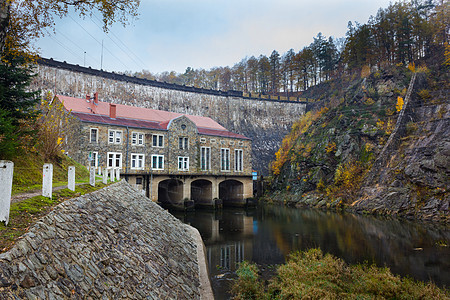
138 117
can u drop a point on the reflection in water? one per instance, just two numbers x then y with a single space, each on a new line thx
267 234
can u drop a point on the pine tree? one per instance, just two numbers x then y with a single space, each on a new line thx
17 113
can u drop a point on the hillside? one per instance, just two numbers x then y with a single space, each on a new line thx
377 142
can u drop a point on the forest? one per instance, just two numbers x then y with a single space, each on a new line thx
403 32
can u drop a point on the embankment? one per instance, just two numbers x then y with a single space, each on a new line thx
112 243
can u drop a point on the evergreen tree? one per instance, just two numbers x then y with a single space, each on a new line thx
17 114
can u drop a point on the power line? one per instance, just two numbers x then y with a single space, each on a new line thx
75 44
126 67
65 47
120 47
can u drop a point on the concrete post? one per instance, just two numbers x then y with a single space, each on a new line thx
71 178
6 178
113 176
47 180
118 174
105 176
92 176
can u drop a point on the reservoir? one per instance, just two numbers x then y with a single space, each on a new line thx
267 234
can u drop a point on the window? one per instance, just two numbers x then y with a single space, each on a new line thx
137 161
158 140
158 162
225 159
137 138
183 163
183 143
205 158
93 158
238 160
202 140
114 159
115 136
94 135
138 180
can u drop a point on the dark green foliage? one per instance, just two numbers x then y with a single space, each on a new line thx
16 105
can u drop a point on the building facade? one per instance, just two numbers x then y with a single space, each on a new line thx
174 158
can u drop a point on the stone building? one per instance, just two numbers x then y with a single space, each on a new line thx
175 158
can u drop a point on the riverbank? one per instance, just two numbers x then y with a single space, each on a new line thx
110 243
314 275
402 209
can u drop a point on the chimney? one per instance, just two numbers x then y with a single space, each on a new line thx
96 98
112 111
88 97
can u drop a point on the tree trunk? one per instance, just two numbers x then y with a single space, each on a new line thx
5 6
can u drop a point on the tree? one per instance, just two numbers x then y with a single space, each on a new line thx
16 106
26 20
274 60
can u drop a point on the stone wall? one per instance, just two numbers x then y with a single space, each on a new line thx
110 244
266 122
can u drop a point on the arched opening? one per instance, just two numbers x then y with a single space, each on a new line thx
201 192
231 192
170 193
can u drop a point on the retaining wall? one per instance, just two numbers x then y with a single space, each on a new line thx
112 243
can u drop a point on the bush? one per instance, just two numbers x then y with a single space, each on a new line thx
312 275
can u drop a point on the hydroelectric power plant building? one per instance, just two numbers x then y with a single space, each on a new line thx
175 158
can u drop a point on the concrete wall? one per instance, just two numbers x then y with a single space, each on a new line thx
110 244
265 121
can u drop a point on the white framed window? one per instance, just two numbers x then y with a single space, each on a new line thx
212 141
183 163
137 161
183 143
158 162
114 159
205 158
241 143
93 159
93 135
225 159
114 136
238 160
158 140
202 140
137 139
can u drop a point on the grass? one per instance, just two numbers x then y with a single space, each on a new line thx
28 172
24 213
313 275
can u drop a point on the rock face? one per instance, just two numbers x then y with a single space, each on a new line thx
110 244
266 122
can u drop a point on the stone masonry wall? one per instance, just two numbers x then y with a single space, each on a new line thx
109 244
266 122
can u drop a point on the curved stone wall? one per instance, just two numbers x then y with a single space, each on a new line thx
112 243
266 122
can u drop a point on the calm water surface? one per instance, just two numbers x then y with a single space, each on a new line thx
267 234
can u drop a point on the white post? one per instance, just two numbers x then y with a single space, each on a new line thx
92 176
105 176
99 170
112 175
118 174
6 178
71 180
47 180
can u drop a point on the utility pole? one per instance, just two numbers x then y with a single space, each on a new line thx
101 61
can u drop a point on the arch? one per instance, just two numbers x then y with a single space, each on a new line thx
231 192
201 192
170 193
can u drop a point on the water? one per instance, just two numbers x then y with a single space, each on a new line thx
266 235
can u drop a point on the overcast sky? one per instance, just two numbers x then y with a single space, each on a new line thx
176 34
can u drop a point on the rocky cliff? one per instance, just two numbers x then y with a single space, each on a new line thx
378 143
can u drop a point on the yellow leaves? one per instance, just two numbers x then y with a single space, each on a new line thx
412 67
380 124
59 141
331 147
399 104
365 71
